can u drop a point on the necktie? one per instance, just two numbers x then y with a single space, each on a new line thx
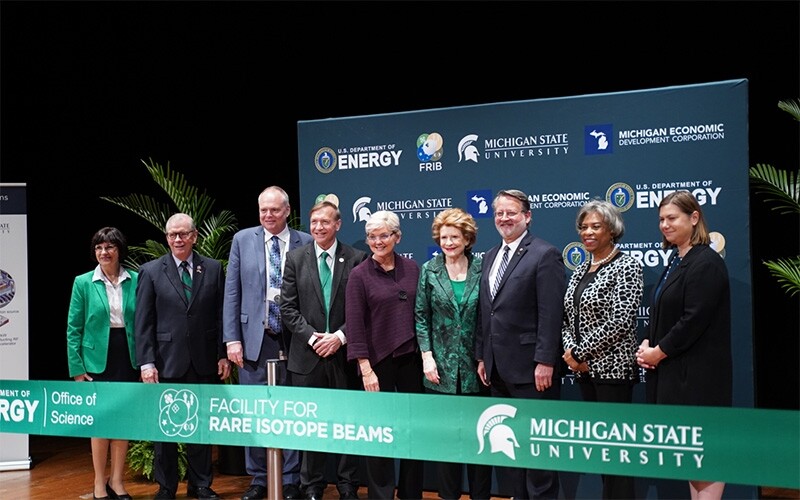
186 278
325 281
274 316
500 270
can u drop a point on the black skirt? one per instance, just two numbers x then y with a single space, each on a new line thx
118 362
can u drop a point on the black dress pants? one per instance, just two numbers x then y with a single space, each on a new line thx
400 374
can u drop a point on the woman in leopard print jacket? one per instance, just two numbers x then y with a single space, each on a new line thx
599 328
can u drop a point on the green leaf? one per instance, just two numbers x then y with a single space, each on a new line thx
787 273
215 231
778 186
792 107
781 187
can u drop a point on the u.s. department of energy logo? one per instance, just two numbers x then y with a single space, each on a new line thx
325 160
621 196
501 437
574 255
178 412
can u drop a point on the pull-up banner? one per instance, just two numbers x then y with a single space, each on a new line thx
744 446
14 338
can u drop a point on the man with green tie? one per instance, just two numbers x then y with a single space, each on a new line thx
312 309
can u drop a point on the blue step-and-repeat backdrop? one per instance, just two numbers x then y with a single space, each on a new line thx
630 148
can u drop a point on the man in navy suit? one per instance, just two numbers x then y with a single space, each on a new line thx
518 345
251 339
178 327
318 356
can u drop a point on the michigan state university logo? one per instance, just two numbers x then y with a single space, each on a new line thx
501 436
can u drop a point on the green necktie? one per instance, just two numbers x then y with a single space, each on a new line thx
187 280
325 281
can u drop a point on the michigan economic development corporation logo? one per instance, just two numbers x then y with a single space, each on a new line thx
597 139
177 414
478 203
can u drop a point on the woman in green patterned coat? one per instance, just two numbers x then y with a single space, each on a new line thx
446 318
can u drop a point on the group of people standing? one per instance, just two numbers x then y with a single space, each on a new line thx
501 326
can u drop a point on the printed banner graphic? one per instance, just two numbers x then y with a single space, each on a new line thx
658 441
628 148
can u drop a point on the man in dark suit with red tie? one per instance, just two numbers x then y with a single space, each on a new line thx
312 308
518 344
178 328
252 327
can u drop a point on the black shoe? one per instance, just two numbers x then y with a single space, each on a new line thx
348 494
292 492
202 492
113 494
255 492
110 492
164 494
313 493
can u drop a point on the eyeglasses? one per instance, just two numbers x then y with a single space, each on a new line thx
183 234
107 248
593 227
510 215
383 237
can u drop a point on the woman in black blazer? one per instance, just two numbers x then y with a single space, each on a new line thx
687 352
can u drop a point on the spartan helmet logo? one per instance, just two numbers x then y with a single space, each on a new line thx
466 150
501 436
361 211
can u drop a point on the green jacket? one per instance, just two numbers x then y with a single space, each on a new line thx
89 321
447 326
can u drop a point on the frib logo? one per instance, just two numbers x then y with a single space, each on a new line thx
178 413
501 436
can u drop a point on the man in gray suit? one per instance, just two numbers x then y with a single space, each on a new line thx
178 327
312 308
518 344
252 336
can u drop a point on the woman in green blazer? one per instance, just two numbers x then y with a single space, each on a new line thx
100 342
446 315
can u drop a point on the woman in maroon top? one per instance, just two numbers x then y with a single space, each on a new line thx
381 336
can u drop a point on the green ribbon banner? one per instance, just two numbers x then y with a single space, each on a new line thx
735 445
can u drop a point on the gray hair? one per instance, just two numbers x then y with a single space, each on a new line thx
180 217
608 212
276 189
383 218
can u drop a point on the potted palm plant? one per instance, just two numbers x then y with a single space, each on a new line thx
781 187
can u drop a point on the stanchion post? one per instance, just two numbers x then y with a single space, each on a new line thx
274 455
